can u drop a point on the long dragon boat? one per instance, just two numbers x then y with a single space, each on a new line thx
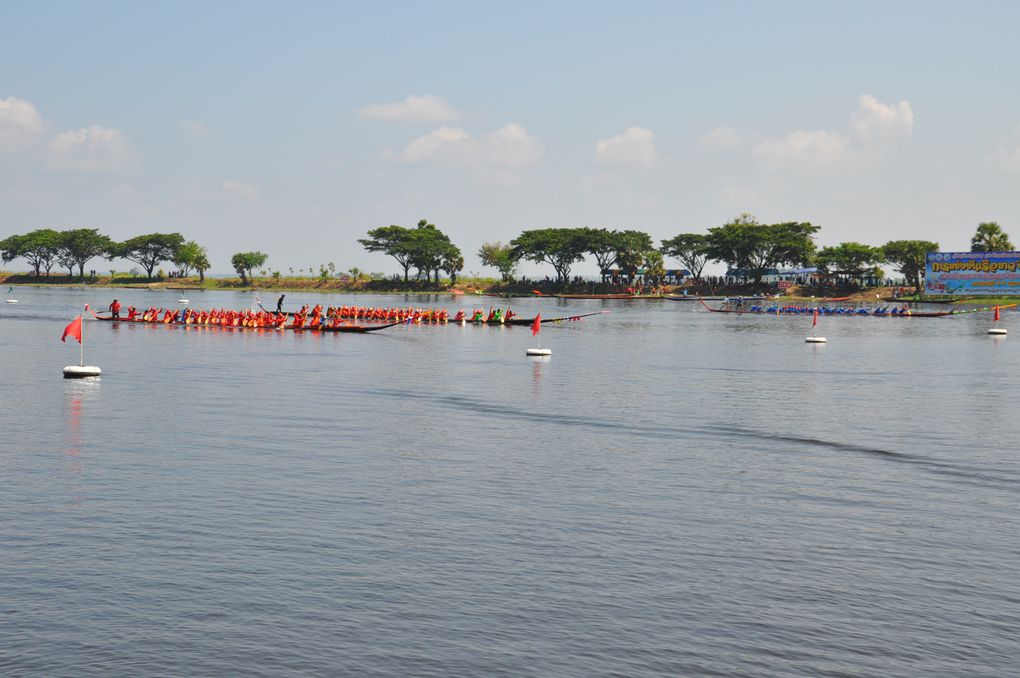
527 321
293 327
855 312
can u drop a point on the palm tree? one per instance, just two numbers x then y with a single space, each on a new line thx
990 237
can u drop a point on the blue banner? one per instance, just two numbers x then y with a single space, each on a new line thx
972 273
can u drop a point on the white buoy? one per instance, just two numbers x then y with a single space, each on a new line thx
182 301
998 331
539 351
12 301
814 321
81 371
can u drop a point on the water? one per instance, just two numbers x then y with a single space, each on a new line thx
673 493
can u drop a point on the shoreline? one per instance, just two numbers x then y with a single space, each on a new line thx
468 287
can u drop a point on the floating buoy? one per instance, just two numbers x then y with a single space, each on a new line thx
815 340
182 301
81 371
539 351
998 331
12 301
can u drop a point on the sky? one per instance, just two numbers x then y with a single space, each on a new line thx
293 128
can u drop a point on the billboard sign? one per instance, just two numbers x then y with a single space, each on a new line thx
972 273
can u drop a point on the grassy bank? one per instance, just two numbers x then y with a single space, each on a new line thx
487 286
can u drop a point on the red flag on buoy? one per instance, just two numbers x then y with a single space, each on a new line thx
997 314
73 330
537 325
814 320
537 292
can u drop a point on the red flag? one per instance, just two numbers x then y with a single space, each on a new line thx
73 330
537 325
997 313
537 292
814 320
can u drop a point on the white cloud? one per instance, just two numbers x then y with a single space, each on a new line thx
633 148
19 122
414 108
819 147
246 191
89 149
194 128
510 146
722 137
436 143
875 121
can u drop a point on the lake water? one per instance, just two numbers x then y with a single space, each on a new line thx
672 493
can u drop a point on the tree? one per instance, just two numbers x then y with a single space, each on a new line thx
631 249
690 249
40 249
559 247
655 267
499 256
990 237
244 262
394 241
78 246
909 256
428 246
850 259
186 256
148 251
603 244
452 262
201 264
745 244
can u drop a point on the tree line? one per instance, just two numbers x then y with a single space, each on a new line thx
743 244
45 248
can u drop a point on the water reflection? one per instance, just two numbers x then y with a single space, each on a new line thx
78 393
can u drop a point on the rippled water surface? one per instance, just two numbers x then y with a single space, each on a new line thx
673 493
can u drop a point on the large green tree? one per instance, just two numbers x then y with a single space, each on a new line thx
603 244
244 262
429 248
690 249
499 256
848 259
188 255
559 247
745 244
395 241
631 249
149 250
40 248
80 245
909 257
990 237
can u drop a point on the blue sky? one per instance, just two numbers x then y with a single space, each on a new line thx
294 128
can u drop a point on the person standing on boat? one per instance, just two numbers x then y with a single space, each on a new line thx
115 310
279 303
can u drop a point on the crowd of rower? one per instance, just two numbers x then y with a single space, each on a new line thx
825 310
316 316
